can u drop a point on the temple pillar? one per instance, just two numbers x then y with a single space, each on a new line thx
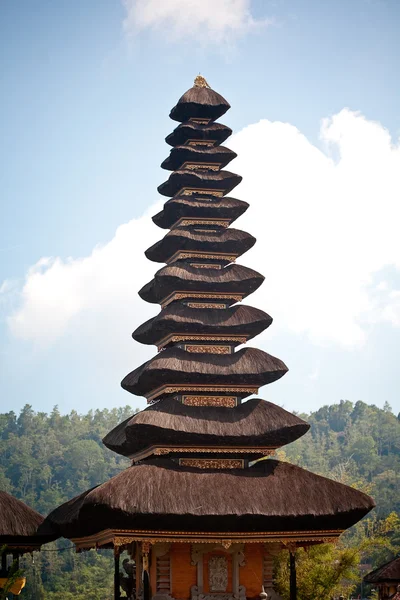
293 582
117 593
145 570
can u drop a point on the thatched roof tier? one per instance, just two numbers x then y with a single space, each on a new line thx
19 524
234 279
222 181
196 154
200 102
189 132
253 423
192 207
228 241
160 495
181 319
175 366
389 572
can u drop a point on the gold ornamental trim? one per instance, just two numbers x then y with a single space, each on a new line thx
222 401
201 81
188 221
210 295
207 450
212 463
181 255
206 305
121 537
194 142
176 389
189 191
199 120
194 166
176 337
206 266
207 349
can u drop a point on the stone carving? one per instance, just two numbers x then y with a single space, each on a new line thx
218 573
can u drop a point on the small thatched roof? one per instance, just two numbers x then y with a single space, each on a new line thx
174 366
192 207
169 422
223 181
182 154
199 102
19 524
389 572
180 319
160 495
190 130
227 241
181 277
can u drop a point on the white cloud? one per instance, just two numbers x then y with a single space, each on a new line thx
208 21
325 228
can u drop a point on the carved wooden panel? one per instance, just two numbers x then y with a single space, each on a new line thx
226 401
163 574
213 463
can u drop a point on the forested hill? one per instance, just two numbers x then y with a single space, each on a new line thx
46 459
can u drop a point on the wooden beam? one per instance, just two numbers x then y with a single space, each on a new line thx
293 581
117 593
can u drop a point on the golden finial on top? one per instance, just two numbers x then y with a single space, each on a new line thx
201 81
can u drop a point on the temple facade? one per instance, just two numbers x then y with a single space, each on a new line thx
204 507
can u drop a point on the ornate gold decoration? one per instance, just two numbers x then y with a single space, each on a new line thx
107 536
186 191
200 81
210 295
202 255
207 450
122 541
208 349
224 401
207 143
212 463
200 338
206 266
188 221
199 121
201 166
206 305
202 230
176 389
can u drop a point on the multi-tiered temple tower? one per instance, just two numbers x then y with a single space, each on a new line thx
199 509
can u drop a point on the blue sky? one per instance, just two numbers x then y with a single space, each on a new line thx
86 90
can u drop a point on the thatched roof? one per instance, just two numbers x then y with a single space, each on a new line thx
230 241
181 277
179 319
199 102
223 181
160 495
192 207
169 422
189 130
18 523
174 366
182 154
389 572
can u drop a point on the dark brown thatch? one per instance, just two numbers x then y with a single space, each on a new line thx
190 130
197 154
199 102
180 277
223 181
19 524
221 208
169 422
160 495
180 319
389 572
174 366
228 241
